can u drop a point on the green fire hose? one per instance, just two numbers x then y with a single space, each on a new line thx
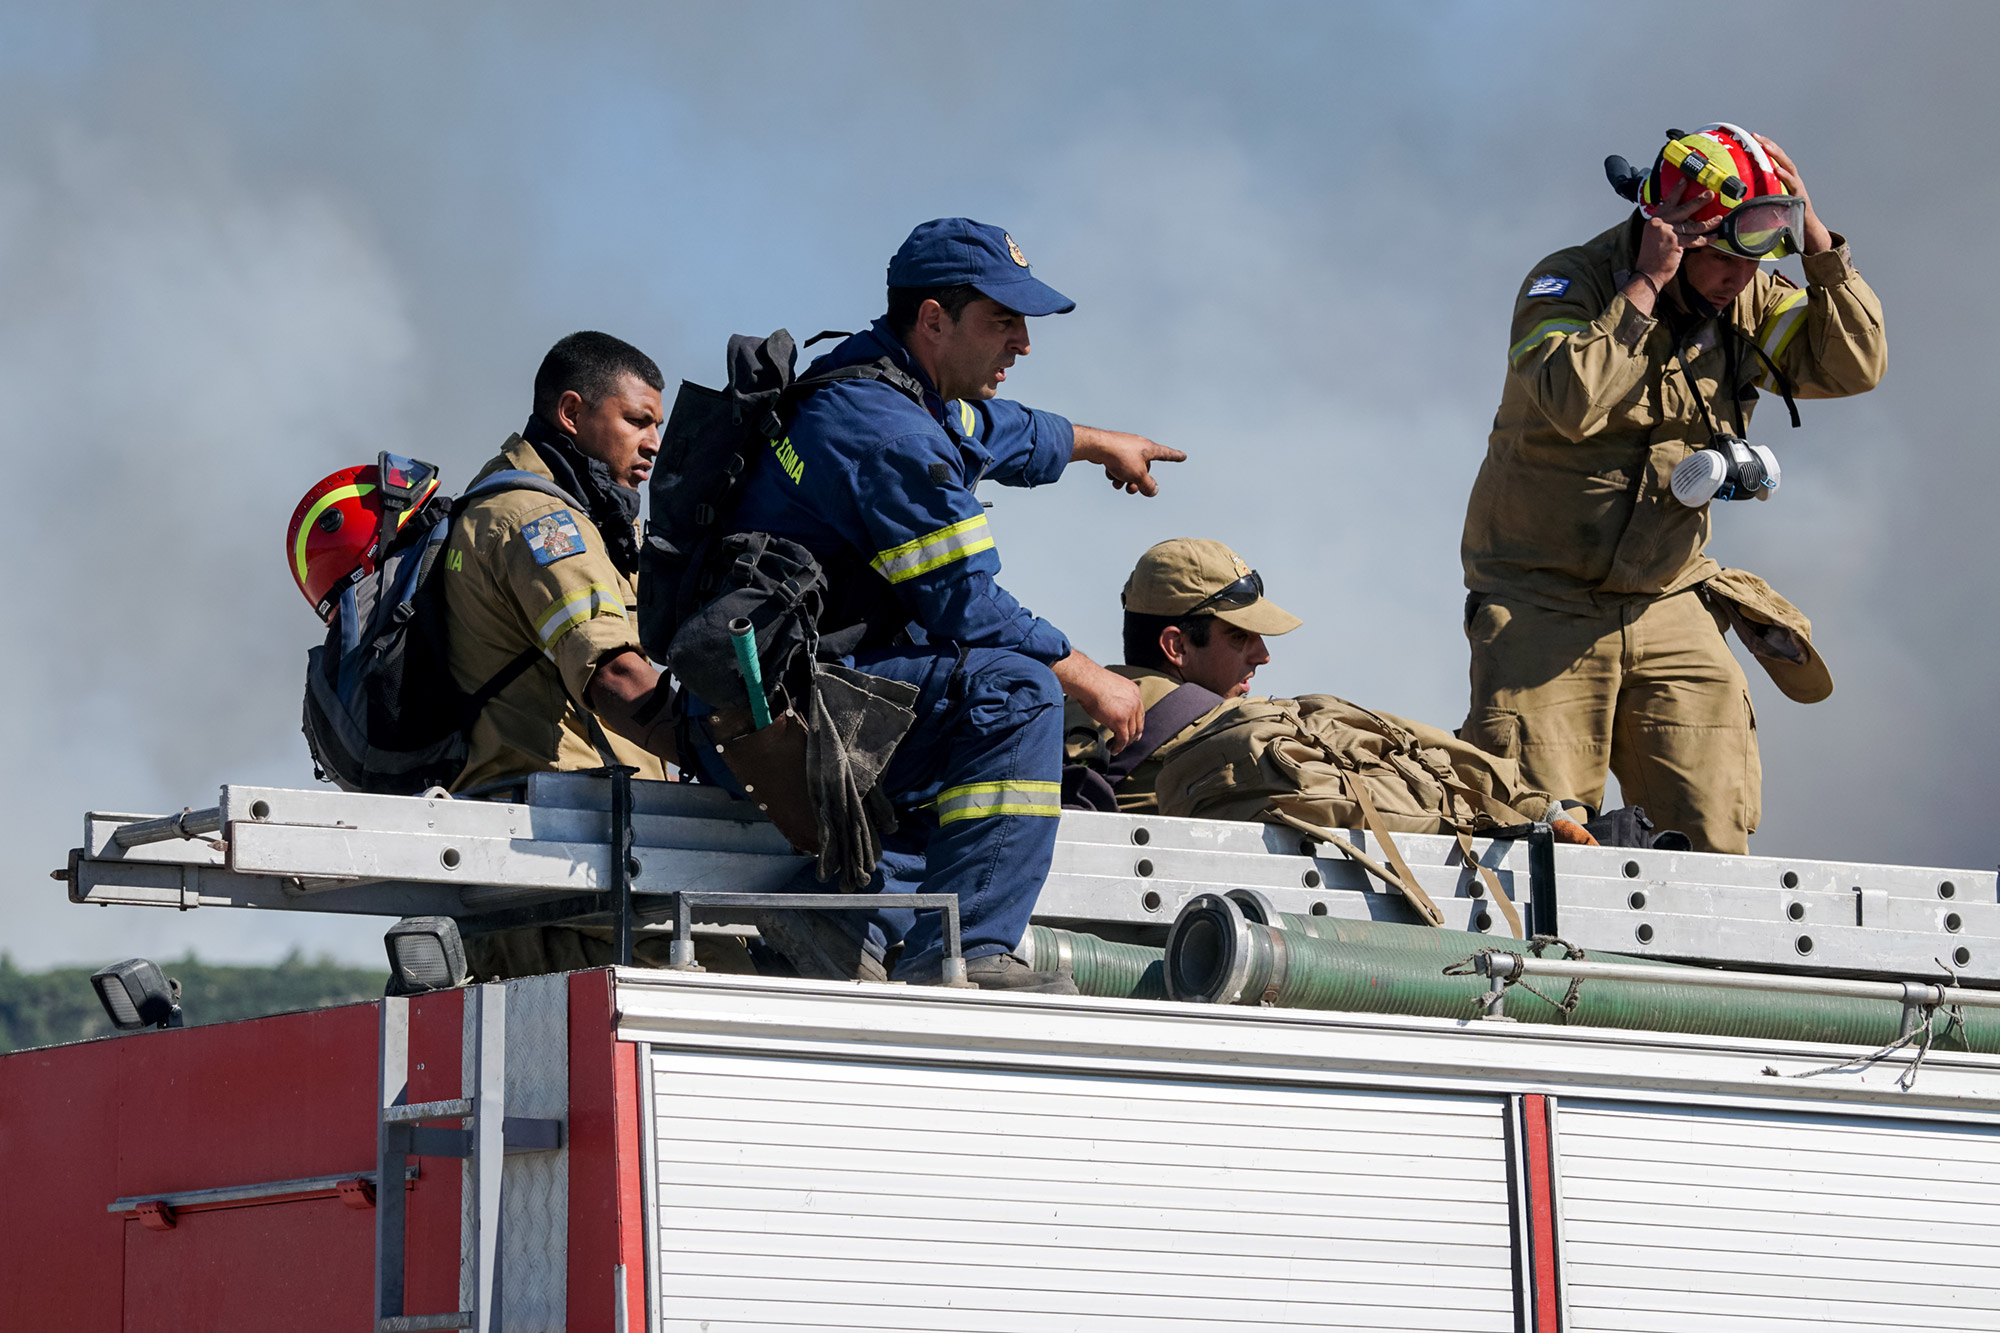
1101 967
1450 944
1218 955
1110 970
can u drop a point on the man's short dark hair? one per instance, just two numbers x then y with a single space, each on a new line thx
590 364
904 302
1142 637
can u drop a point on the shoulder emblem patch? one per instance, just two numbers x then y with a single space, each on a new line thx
1548 285
552 537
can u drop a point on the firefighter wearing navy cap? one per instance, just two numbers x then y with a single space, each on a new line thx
880 488
1595 611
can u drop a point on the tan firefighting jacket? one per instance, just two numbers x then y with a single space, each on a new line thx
523 568
1086 742
1571 509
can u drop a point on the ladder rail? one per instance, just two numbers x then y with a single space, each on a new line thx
548 858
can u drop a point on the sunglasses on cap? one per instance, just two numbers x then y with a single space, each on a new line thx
1244 592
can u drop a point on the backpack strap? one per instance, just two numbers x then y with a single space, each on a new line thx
511 479
881 368
1411 889
1164 721
1404 879
1321 833
476 702
1500 898
517 479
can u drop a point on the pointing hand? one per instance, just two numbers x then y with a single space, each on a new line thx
1127 459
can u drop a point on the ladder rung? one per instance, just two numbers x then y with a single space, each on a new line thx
403 1115
411 1323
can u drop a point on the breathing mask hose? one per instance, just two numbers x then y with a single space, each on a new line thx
1217 955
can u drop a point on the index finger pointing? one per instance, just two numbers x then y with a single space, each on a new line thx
1159 453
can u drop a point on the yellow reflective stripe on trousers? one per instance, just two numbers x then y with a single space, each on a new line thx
933 549
977 800
1541 333
1779 328
596 599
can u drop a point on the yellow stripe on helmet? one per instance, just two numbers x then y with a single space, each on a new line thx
353 491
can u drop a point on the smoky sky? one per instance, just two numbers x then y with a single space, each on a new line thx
242 245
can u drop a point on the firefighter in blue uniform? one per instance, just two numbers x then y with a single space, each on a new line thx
880 489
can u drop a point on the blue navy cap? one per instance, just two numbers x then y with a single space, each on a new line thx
952 252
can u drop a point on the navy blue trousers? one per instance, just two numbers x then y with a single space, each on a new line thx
977 787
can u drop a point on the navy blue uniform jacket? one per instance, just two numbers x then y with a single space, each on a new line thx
880 489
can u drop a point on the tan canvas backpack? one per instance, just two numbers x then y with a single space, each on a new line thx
1321 764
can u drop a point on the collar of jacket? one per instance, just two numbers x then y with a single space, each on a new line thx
613 508
879 341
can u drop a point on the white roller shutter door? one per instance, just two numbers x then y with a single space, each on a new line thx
1711 1220
794 1193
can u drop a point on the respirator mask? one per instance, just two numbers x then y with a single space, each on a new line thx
1729 468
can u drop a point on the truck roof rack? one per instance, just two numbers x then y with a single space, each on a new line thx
548 841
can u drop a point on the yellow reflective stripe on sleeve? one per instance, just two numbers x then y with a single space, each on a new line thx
1541 333
1780 327
597 599
933 549
966 420
332 497
978 800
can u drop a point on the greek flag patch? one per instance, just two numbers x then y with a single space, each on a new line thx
552 537
1549 285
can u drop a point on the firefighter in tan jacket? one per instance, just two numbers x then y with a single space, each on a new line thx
1596 615
538 603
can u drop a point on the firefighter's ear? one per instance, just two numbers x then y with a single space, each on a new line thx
569 412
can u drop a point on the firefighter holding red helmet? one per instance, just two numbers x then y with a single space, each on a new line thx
1595 613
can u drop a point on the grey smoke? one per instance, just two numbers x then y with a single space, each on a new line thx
240 246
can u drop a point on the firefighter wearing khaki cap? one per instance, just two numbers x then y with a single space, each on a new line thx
1595 613
1195 620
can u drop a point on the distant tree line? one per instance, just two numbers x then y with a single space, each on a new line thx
47 1008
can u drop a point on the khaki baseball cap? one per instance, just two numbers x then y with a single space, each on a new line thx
1185 574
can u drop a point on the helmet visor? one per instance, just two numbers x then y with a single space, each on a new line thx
1767 228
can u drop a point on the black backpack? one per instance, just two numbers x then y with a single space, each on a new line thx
382 712
713 440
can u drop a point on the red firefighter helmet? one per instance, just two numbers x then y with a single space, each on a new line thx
336 533
1760 218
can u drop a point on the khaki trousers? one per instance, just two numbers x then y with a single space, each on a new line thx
1649 691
